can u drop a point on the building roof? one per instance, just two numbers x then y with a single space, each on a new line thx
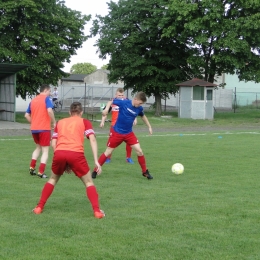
196 82
75 77
8 69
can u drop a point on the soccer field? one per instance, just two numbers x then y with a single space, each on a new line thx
211 211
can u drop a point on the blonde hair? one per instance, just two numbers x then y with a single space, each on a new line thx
120 90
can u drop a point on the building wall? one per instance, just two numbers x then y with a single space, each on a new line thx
246 92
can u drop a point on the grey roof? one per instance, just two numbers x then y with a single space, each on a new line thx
8 69
196 82
75 77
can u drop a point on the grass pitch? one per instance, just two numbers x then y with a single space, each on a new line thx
211 211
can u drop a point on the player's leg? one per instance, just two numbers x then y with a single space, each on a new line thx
114 140
35 154
78 164
108 160
128 154
58 167
92 195
102 159
45 138
46 192
132 140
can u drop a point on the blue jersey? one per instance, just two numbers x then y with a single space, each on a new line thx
126 116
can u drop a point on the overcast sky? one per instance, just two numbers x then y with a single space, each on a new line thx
88 52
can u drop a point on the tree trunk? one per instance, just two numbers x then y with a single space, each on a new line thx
158 105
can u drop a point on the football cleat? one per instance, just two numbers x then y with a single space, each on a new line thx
129 160
32 171
94 175
37 210
42 175
147 175
108 160
99 214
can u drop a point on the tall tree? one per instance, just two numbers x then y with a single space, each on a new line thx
224 36
42 34
83 68
140 57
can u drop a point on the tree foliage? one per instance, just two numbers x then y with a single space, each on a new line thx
104 67
83 68
140 57
42 34
224 36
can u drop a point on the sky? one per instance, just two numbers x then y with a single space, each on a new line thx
87 53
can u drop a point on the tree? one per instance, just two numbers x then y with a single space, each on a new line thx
140 57
83 68
224 36
42 34
104 67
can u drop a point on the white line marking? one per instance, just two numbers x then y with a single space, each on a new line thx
156 135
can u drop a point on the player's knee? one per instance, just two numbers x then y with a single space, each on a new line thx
139 153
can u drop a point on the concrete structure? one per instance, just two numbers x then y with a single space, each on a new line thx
8 90
196 99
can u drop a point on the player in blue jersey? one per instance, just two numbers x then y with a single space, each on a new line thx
123 132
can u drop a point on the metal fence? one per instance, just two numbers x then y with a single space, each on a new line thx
93 97
246 99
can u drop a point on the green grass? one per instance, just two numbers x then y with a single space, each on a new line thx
211 211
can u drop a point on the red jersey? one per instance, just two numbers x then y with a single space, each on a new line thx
39 114
114 114
70 132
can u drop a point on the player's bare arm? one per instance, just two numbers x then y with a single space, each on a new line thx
106 110
28 117
94 147
103 119
53 144
51 115
146 121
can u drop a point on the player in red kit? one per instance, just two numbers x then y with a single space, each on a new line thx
40 115
68 146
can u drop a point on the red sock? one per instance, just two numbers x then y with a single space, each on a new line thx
46 193
42 167
128 151
93 197
141 161
33 163
109 156
101 160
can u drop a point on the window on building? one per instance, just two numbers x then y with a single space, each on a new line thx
198 93
209 94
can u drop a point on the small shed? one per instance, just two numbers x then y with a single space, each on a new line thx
196 99
8 90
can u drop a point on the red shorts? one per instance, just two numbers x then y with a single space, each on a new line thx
42 138
76 161
115 139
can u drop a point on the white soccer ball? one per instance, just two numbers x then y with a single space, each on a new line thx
178 168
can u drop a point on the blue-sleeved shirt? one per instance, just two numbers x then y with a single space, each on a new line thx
126 116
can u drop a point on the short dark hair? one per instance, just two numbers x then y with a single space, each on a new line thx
76 108
141 96
44 86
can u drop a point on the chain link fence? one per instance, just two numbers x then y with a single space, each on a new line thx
94 97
